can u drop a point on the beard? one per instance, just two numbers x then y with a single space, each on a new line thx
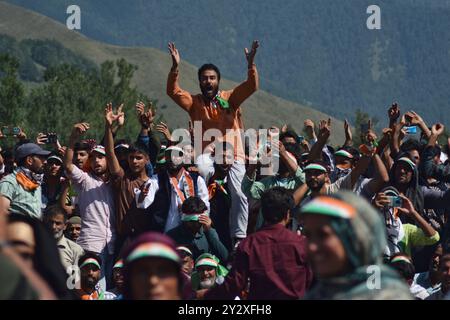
173 168
59 234
315 186
209 91
207 283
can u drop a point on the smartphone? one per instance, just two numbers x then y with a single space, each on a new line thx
395 201
300 139
15 131
411 130
364 127
51 138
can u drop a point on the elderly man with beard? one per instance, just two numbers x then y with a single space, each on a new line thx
20 192
220 110
95 200
55 218
208 272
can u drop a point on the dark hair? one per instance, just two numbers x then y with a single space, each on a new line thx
89 255
405 269
411 144
289 134
294 149
193 205
138 148
208 66
82 146
46 261
54 210
275 204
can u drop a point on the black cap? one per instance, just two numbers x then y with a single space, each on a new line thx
28 149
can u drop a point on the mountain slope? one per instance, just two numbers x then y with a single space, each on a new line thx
261 109
312 52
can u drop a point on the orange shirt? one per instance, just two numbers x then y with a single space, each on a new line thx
200 109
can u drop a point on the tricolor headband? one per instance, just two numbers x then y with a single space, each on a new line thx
329 207
408 161
207 262
153 249
400 259
90 261
315 166
192 217
182 248
119 264
343 153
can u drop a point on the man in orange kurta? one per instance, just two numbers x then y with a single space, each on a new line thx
220 110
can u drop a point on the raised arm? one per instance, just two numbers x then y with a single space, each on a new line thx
77 130
348 134
427 166
251 85
180 96
146 136
417 120
324 134
381 174
113 164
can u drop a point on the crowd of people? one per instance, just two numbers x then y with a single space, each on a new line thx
290 217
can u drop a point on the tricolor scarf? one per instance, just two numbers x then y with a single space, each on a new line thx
29 180
188 186
214 185
218 102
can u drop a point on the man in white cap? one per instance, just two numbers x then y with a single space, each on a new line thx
20 192
96 202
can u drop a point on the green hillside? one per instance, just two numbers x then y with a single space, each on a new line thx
314 52
153 65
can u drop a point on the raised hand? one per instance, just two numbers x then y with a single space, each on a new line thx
121 119
162 127
251 55
348 131
145 117
205 221
324 129
79 129
309 128
437 129
394 112
41 138
414 118
110 116
381 200
175 55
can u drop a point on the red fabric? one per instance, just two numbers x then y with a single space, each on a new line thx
274 258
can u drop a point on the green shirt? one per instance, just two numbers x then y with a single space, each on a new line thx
414 237
255 189
23 202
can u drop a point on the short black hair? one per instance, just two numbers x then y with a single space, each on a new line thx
289 134
411 144
405 269
193 205
89 255
54 210
275 204
139 148
208 66
82 146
